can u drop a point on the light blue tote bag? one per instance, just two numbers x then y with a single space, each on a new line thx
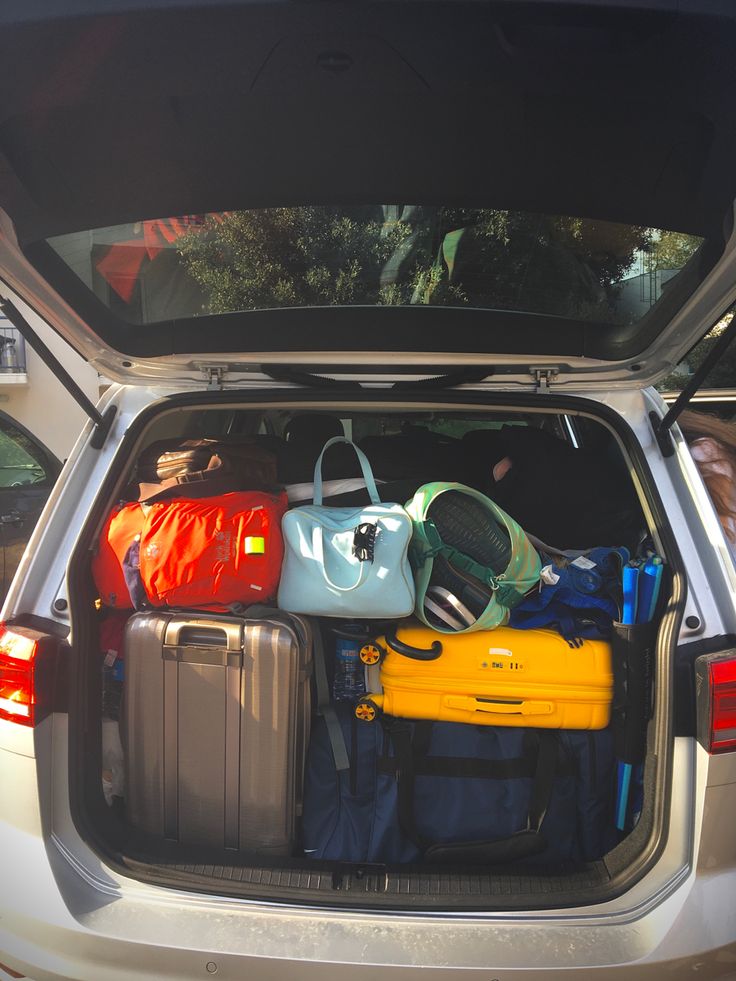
347 562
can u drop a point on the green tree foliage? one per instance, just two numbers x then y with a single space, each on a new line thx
560 266
721 375
306 256
395 254
669 250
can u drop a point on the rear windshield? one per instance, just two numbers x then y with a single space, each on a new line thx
225 262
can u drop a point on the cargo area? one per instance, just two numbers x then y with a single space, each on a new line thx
433 808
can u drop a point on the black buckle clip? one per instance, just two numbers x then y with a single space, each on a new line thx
364 541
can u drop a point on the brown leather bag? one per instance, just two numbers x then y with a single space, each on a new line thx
240 464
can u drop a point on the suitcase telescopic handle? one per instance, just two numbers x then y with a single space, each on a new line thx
469 703
416 653
184 632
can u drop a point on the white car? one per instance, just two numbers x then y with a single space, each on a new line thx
190 195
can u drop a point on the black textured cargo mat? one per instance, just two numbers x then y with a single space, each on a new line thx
377 887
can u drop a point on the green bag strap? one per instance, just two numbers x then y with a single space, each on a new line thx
435 546
507 589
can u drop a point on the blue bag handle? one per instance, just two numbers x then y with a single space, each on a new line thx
365 466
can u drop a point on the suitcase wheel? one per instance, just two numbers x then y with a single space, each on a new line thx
370 654
366 710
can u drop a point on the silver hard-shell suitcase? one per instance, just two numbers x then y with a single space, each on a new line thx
216 716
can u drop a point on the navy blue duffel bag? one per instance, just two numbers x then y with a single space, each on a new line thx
451 793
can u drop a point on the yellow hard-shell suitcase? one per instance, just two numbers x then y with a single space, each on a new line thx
501 677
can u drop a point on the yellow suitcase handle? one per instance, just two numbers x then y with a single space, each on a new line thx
467 703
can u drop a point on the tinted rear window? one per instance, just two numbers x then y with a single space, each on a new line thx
396 255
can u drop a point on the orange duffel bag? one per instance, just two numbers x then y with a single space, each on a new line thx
123 524
200 552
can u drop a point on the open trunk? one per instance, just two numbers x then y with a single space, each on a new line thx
610 457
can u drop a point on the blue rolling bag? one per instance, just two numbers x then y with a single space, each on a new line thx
450 793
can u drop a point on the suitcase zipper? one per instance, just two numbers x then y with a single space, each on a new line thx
450 686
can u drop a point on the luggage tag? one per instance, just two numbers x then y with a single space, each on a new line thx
114 664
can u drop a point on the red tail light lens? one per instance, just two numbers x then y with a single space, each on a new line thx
716 685
18 648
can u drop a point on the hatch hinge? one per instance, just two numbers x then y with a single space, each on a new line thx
214 375
543 377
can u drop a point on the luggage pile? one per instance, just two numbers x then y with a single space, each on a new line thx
360 681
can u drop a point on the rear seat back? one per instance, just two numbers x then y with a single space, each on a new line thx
416 454
304 437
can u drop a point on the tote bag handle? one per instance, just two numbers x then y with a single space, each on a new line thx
319 554
365 466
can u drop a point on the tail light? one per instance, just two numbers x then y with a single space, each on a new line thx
715 678
23 651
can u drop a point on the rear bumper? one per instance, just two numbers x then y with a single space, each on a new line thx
65 914
60 921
